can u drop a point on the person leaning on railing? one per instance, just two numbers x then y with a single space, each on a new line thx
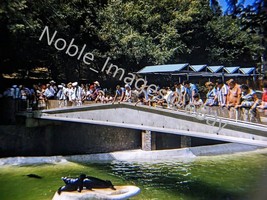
263 104
69 93
233 98
197 101
120 93
49 92
128 93
100 97
222 91
190 90
179 91
248 103
221 95
211 95
163 101
77 94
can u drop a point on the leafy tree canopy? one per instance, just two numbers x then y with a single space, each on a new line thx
133 33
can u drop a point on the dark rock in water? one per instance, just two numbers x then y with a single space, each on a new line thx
34 176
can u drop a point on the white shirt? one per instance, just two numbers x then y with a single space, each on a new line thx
77 93
49 92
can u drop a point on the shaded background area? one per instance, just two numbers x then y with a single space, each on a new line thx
141 33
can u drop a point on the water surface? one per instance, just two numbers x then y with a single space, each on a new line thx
238 176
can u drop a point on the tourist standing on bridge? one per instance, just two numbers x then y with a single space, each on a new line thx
16 96
163 99
49 92
222 91
190 91
187 98
197 101
100 97
97 87
120 93
89 93
61 95
94 89
233 98
77 95
248 103
69 93
211 95
128 94
263 105
179 93
53 85
40 96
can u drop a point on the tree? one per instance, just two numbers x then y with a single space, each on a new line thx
229 44
215 7
235 7
146 32
22 23
153 32
254 21
132 33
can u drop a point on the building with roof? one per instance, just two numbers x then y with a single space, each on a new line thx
185 71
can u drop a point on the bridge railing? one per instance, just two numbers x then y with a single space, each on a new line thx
244 114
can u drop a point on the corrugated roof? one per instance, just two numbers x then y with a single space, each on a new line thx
214 69
197 68
163 68
231 70
247 70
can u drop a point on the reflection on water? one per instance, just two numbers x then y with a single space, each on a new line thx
217 177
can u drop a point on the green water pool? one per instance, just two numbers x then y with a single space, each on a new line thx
238 176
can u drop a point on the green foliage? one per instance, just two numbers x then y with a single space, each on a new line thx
23 22
152 31
133 33
229 44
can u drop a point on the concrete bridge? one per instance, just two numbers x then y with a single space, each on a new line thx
151 119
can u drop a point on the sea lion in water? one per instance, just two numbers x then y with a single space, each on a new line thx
91 182
72 184
34 176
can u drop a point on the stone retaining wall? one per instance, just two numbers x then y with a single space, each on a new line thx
65 139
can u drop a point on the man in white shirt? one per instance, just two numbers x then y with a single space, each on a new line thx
179 92
222 91
77 95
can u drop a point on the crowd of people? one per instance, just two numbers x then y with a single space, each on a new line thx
229 96
67 94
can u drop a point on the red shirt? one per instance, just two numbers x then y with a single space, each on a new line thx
264 97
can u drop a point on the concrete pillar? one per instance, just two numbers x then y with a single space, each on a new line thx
153 141
185 141
148 141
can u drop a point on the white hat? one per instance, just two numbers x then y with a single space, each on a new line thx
14 86
60 86
97 83
52 81
127 85
74 84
